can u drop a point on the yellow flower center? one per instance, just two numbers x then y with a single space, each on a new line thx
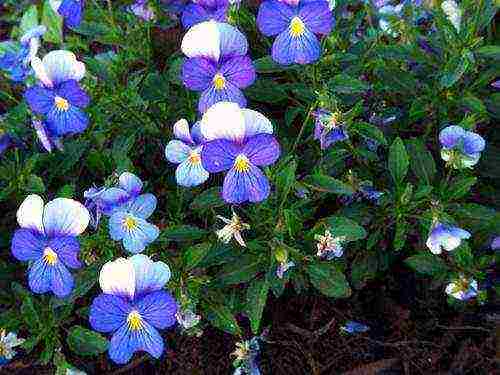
61 103
130 223
219 81
3 350
49 256
134 321
241 164
194 157
297 27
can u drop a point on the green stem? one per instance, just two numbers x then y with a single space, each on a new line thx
301 131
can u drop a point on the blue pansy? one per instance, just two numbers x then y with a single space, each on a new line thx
16 56
186 151
128 223
70 10
59 97
47 239
459 147
445 236
133 306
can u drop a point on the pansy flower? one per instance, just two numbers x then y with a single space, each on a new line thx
329 246
295 24
133 306
459 147
186 151
70 10
17 56
462 288
239 141
217 65
200 11
444 236
8 341
59 97
128 223
47 239
328 129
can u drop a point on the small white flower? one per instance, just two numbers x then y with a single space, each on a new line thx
187 318
453 12
75 371
233 228
462 288
329 246
7 343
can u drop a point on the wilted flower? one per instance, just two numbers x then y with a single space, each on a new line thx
353 327
460 148
239 149
16 58
143 10
462 288
133 306
60 98
186 151
444 236
295 23
217 64
328 246
70 10
187 318
204 10
246 355
128 223
233 228
453 12
328 128
8 341
45 137
47 238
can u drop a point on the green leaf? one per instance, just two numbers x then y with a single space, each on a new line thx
463 257
30 314
422 163
328 280
85 342
195 254
398 161
459 187
210 198
240 271
29 20
221 317
267 65
370 131
286 178
84 281
427 263
400 235
489 52
455 69
256 301
363 268
34 184
183 233
345 84
54 24
267 91
342 226
328 184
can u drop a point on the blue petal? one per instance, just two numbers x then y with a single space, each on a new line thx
303 49
116 228
111 199
67 249
72 11
137 239
158 309
39 277
177 151
274 17
27 245
108 312
190 174
230 93
149 276
451 135
72 121
62 281
473 143
459 232
40 99
73 93
250 186
131 183
143 206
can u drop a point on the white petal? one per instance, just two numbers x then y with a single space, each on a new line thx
149 276
451 243
40 71
181 130
434 247
30 213
65 216
62 65
256 123
55 4
118 278
202 39
223 120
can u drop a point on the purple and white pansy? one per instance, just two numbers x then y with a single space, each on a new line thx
460 148
241 148
445 236
186 151
217 64
462 288
328 128
48 239
58 96
133 306
296 24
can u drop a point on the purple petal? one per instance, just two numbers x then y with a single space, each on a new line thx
239 70
73 93
158 309
495 244
67 249
250 186
274 17
451 135
40 99
108 312
262 149
317 17
230 93
193 14
232 41
219 155
303 49
72 121
197 73
61 281
130 183
72 11
27 245
39 277
473 143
